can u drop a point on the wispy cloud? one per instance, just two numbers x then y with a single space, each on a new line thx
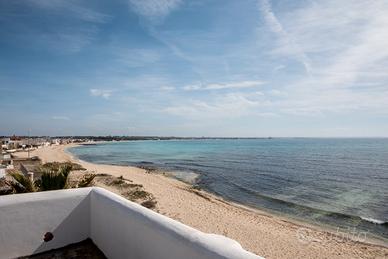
279 67
342 44
154 8
232 85
288 45
175 49
101 93
221 106
167 88
347 40
137 57
277 93
58 117
67 40
313 61
72 25
72 9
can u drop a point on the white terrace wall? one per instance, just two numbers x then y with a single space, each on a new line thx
25 218
120 228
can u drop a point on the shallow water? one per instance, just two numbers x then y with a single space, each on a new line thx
339 182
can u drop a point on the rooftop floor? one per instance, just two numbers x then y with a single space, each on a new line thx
84 249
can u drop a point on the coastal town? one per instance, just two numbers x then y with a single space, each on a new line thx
10 146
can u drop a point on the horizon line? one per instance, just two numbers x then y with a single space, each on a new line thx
182 137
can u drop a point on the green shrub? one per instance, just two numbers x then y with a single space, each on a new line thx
55 166
86 180
55 180
134 195
150 204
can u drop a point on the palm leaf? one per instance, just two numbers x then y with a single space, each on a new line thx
24 181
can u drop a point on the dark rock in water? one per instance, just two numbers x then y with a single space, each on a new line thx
149 169
5 187
145 163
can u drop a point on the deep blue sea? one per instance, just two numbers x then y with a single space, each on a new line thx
336 182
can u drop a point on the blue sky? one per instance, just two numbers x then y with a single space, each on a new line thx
194 68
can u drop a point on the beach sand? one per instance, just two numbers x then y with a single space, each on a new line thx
266 235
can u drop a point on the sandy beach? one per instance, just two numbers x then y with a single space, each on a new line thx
259 232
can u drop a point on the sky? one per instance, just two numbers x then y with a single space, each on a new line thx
241 68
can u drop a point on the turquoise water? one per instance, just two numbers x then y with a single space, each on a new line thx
338 182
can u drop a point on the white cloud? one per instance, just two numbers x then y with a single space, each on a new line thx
57 117
167 88
347 40
192 87
288 44
280 67
154 8
231 85
345 46
277 93
101 93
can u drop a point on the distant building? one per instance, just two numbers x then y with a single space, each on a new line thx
5 159
11 143
27 165
5 141
2 171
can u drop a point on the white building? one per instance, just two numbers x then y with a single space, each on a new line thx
56 141
2 171
118 227
5 141
5 159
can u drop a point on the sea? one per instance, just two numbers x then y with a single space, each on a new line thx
341 183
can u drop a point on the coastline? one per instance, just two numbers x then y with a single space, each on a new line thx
260 232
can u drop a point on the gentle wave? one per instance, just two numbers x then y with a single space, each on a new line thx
315 211
375 221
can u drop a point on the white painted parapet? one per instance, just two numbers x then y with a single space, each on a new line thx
25 218
119 228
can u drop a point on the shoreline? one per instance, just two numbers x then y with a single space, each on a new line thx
331 229
253 228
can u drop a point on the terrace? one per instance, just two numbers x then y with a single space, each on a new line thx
100 221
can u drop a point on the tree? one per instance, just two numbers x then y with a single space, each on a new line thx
50 180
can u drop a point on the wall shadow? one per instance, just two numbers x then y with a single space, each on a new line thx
73 229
